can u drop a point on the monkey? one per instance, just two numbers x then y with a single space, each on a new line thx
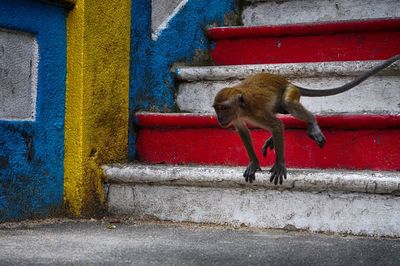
257 100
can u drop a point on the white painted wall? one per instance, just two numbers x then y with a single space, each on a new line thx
18 75
162 12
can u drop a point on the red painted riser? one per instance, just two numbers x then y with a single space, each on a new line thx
373 145
319 42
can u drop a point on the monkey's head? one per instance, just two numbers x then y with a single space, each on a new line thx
228 105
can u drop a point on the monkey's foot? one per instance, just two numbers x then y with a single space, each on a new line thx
268 144
278 172
250 173
316 134
319 139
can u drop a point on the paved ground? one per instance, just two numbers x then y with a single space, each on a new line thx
66 242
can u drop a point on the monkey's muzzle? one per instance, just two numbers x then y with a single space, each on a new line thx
222 123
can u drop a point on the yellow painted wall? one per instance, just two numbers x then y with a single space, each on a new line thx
97 102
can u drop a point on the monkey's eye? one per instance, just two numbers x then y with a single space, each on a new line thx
221 107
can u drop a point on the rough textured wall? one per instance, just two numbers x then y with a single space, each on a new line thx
97 98
31 152
152 86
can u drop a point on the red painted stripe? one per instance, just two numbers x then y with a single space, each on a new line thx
372 25
353 142
156 120
339 41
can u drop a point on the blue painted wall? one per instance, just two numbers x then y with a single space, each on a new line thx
32 152
152 86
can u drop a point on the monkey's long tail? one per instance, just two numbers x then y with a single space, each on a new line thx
350 85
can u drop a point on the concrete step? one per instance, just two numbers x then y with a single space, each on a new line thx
266 12
355 202
197 139
379 94
376 39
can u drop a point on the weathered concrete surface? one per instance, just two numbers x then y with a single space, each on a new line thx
289 70
18 75
303 11
218 176
378 94
334 202
91 243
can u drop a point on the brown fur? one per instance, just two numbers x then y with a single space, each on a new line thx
256 100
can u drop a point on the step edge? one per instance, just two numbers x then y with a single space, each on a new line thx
346 122
307 180
289 70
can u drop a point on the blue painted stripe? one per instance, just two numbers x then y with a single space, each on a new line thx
32 153
152 86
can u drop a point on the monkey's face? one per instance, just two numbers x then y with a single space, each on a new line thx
228 105
225 114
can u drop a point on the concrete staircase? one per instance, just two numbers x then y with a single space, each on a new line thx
355 202
189 169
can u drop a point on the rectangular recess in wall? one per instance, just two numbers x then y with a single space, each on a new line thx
18 75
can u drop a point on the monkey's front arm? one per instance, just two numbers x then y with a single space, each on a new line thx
254 165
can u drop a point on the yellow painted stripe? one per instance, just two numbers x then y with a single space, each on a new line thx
73 159
97 102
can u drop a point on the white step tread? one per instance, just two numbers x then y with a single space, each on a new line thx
378 95
268 12
288 70
356 202
377 182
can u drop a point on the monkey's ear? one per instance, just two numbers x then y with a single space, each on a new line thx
242 102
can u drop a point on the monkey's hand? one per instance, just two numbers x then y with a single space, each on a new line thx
268 144
278 172
250 173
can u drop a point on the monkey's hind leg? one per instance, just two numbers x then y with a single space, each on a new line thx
269 143
291 103
278 170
